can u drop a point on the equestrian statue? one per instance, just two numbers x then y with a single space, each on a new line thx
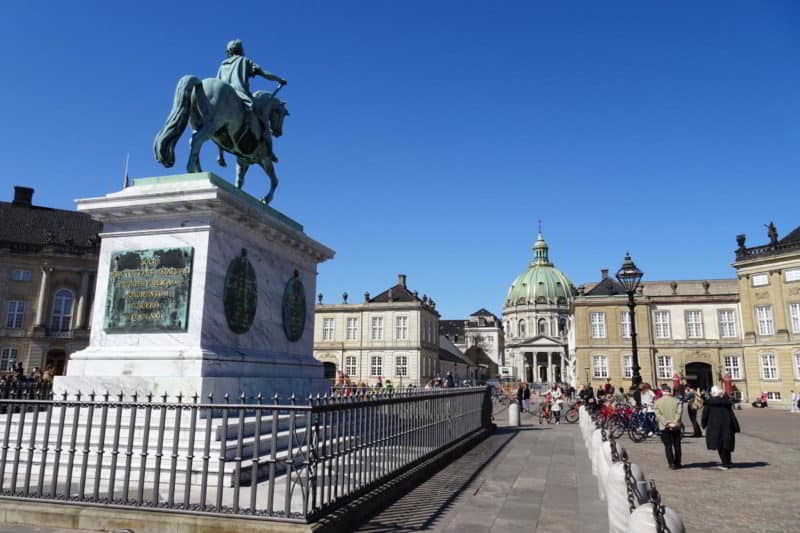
224 110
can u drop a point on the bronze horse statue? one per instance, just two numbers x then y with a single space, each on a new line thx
216 112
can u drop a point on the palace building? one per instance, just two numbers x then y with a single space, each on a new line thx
394 335
48 263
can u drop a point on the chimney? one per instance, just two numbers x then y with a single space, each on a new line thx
604 273
401 279
23 196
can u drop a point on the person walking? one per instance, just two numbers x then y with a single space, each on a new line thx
694 402
795 400
521 397
668 414
526 398
721 426
556 397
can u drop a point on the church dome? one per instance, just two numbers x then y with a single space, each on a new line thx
542 283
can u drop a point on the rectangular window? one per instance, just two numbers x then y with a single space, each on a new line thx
376 366
350 367
600 366
625 320
21 275
759 280
377 328
627 366
794 313
401 328
663 327
8 358
694 324
797 366
15 315
490 339
328 329
352 329
598 325
731 365
769 366
765 324
727 323
401 366
664 366
774 396
792 275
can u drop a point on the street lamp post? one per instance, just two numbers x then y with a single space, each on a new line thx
630 277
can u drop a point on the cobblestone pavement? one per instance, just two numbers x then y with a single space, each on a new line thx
760 493
532 479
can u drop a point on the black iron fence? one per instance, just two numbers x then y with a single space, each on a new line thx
248 457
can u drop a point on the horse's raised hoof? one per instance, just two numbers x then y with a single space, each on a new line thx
266 199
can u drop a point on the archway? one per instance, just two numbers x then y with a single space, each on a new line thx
698 375
329 370
57 358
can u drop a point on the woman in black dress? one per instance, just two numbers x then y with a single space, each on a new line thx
721 426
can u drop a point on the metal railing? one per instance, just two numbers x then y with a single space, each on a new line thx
251 458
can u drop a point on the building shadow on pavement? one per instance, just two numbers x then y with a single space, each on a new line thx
423 505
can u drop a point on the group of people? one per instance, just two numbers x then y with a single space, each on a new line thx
718 420
37 375
344 385
552 398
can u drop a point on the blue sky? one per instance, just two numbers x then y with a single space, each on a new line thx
429 137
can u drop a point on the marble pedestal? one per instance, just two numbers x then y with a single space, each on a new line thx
208 215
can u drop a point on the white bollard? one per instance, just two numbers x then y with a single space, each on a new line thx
617 499
594 447
643 521
604 463
513 414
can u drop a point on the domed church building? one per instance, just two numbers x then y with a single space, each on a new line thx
537 313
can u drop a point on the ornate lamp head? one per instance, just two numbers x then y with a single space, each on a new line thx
628 275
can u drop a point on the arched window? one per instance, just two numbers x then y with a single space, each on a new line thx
562 325
522 328
542 326
61 319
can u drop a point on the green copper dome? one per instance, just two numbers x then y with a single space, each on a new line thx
542 283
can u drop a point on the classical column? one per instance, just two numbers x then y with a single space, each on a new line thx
549 367
42 296
80 321
561 366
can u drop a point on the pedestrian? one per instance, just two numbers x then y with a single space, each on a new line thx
648 397
608 389
449 380
521 397
694 402
668 414
795 400
721 426
619 396
526 398
556 398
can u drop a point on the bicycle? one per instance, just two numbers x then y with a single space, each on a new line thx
545 414
642 425
571 415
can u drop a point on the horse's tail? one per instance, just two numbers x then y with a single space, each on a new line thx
167 137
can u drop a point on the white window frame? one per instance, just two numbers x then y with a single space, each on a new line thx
15 314
376 331
328 329
625 324
60 315
21 275
794 316
351 365
760 280
627 369
401 366
352 329
727 324
522 327
792 274
376 366
401 327
732 364
766 323
8 358
664 368
663 326
598 321
694 324
600 371
796 361
769 366
774 396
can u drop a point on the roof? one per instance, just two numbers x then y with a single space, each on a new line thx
790 243
400 293
451 328
606 287
483 312
30 228
793 236
449 352
479 357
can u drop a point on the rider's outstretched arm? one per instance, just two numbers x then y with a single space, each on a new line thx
258 71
